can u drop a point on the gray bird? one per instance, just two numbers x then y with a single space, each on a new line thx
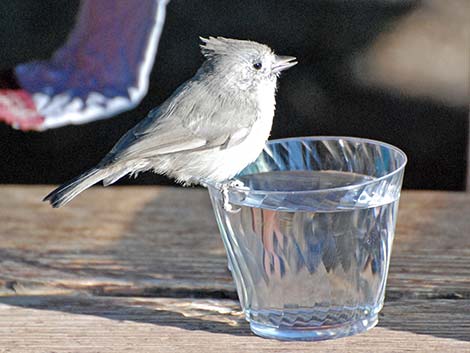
207 131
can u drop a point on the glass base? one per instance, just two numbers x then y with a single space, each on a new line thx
314 333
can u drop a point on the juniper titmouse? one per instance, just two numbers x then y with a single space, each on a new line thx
208 130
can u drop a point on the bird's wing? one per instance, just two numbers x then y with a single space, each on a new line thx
102 69
186 125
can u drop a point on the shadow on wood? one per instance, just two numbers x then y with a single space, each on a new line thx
190 314
441 318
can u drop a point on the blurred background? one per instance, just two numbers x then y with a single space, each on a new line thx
392 70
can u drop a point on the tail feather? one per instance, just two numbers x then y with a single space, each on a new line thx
113 177
63 194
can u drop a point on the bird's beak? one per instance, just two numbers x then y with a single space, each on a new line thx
282 63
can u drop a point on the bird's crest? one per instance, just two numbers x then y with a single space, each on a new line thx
213 46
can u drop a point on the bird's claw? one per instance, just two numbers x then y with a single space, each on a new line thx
225 197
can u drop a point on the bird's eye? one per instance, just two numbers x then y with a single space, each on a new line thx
257 65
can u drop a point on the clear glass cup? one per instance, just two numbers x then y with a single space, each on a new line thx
310 233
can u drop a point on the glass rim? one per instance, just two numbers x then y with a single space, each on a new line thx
240 189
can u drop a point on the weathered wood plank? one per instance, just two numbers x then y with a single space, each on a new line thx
109 324
164 241
143 238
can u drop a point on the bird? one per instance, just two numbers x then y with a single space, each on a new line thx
207 131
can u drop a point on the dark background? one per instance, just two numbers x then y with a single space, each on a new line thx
320 96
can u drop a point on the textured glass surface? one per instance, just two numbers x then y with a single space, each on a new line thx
310 244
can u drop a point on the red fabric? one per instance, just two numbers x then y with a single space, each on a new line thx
18 110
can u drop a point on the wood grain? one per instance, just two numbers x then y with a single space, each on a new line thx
84 324
148 241
143 269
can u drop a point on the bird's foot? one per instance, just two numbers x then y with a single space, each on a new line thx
225 198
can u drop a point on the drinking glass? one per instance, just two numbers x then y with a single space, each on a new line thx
309 232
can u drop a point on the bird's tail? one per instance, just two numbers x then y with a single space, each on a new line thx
63 194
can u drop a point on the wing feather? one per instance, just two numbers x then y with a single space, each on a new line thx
192 119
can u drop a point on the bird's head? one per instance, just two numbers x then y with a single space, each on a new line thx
242 63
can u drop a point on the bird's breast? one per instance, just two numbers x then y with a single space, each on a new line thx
233 160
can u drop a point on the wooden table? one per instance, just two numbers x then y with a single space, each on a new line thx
142 269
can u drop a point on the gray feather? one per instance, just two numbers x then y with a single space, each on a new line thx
193 118
63 194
